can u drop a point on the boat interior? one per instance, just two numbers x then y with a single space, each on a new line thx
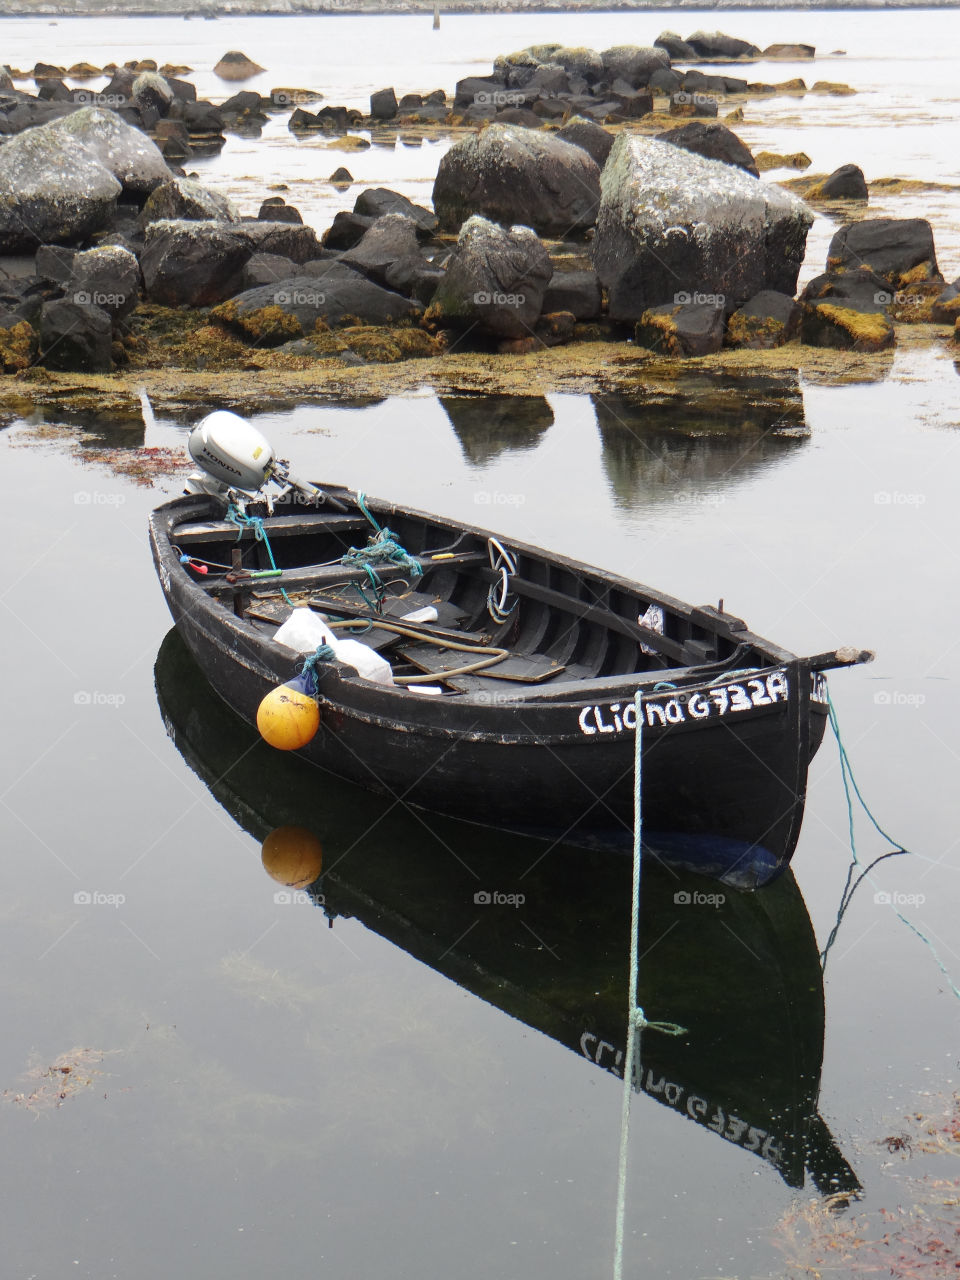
487 617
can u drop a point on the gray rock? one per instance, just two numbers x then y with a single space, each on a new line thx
715 44
54 263
346 230
581 62
685 329
107 277
186 199
330 296
768 320
75 338
494 282
894 248
575 291
267 268
374 202
197 264
383 104
713 140
672 223
677 50
684 103
391 238
845 183
151 90
946 306
275 209
414 277
128 154
52 190
633 63
666 81
512 174
592 137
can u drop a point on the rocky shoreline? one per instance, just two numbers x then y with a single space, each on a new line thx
591 197
212 9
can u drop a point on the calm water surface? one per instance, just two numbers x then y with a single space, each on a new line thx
254 1091
275 1093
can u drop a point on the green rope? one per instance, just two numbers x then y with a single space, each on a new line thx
384 549
362 504
636 1019
243 521
850 785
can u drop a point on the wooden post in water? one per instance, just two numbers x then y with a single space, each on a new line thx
436 15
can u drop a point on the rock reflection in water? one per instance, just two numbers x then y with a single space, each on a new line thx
696 432
487 426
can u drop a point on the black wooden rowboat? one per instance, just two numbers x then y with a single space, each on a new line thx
539 737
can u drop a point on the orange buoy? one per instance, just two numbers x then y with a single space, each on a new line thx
288 718
292 856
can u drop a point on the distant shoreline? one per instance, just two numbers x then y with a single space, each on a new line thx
190 9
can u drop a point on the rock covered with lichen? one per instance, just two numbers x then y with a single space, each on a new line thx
515 175
52 190
675 227
125 152
494 282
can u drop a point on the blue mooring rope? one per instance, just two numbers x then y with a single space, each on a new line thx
850 783
323 653
636 1019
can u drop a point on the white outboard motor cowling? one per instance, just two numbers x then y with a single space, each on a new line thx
231 452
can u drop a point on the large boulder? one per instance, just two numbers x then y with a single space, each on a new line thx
275 313
633 63
184 198
512 174
672 223
235 65
575 291
197 264
107 277
946 306
52 190
677 50
124 151
383 104
713 140
900 250
494 282
76 337
585 63
592 137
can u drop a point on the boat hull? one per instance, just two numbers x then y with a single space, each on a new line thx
724 763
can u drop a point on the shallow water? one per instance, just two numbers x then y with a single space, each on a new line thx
276 1093
900 123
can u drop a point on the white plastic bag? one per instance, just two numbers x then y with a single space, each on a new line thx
365 661
304 631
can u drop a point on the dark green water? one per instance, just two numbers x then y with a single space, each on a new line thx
423 1090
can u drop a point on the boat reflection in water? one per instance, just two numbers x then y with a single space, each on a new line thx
542 932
